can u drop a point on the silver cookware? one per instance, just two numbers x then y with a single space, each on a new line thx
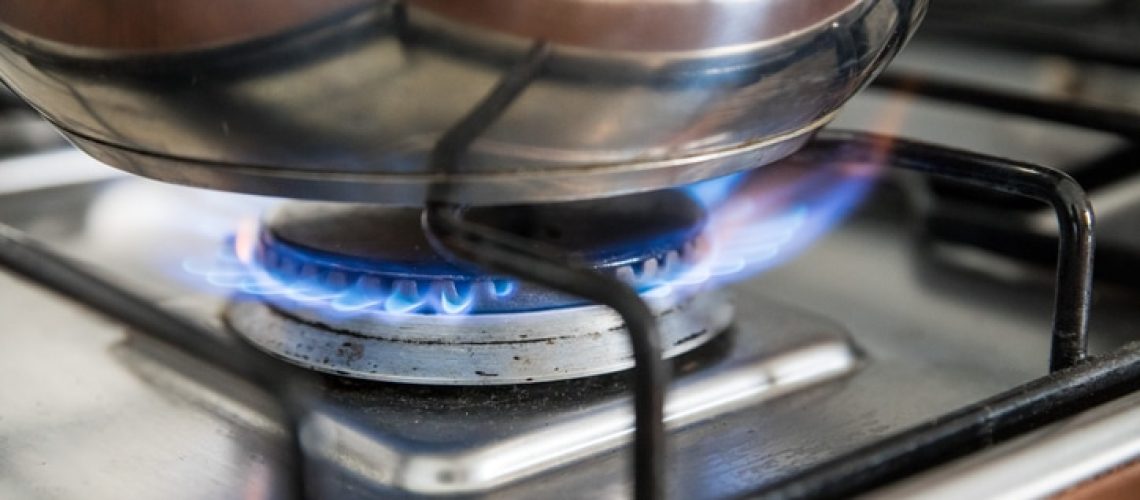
347 99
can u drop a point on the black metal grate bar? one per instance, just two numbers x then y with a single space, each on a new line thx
1102 32
466 242
1001 417
1074 384
1074 214
1114 121
551 267
291 386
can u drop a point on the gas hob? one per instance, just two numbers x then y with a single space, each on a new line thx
896 316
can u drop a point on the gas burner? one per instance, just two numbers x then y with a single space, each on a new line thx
357 290
380 251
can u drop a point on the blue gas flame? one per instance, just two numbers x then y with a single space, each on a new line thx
229 270
757 220
761 219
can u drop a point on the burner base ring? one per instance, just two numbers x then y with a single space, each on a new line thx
490 349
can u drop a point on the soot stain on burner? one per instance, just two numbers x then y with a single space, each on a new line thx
691 337
350 333
518 399
351 351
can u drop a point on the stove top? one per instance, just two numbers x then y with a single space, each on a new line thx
865 334
894 309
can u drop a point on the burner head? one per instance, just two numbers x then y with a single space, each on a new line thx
360 292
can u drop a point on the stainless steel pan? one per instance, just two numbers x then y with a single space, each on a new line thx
346 99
